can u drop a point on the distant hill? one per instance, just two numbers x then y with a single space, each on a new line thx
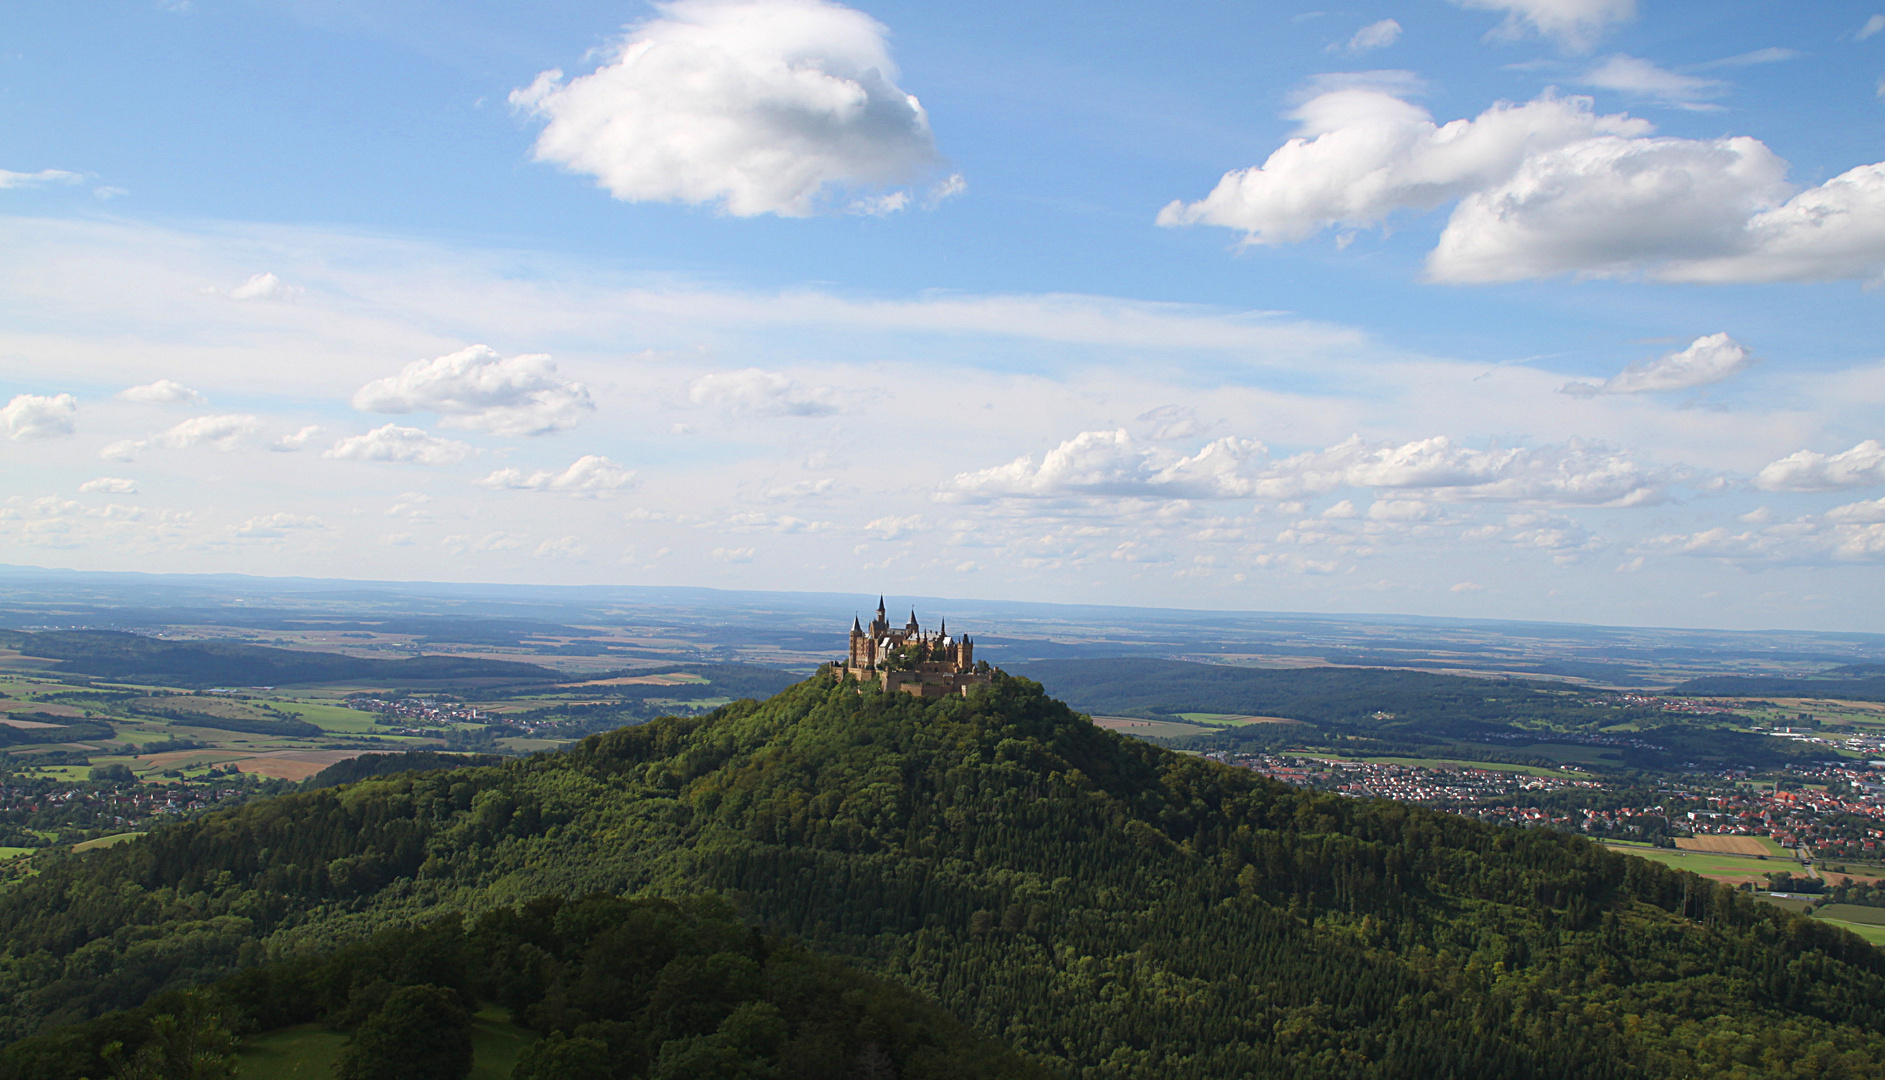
1862 684
1112 910
113 654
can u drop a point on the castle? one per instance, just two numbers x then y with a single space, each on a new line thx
909 660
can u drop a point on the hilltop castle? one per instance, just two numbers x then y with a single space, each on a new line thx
907 659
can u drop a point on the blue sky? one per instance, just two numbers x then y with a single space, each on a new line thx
1231 305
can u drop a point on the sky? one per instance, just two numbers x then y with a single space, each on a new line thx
1531 309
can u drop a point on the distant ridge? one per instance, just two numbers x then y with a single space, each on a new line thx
113 654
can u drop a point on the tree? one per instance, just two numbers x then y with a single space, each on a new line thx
559 1057
421 1033
192 1043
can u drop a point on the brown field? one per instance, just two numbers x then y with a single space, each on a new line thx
671 679
294 764
12 723
1728 845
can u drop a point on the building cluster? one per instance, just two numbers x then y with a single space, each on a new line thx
421 710
1835 810
1689 706
50 805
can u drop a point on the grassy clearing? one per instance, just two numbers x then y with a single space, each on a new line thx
335 718
15 852
106 841
1151 729
308 1052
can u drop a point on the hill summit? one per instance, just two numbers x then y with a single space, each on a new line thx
1108 908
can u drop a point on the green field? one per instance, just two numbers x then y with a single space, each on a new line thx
308 1052
1856 913
335 718
1232 719
1706 862
1871 932
15 852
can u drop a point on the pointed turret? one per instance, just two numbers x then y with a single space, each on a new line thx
856 627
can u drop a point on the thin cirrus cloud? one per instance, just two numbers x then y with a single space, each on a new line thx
1376 35
1550 188
396 444
1574 24
478 389
1872 26
1808 470
40 416
1705 362
758 392
161 392
754 106
42 178
1113 464
1638 78
589 475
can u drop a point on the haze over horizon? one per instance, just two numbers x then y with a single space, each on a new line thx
1557 310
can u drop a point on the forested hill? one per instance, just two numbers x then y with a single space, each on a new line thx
1859 683
1135 686
1113 909
115 655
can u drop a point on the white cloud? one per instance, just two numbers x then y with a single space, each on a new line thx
392 442
109 485
759 106
1861 466
1641 79
41 178
1867 512
762 393
1376 35
263 286
1576 24
37 416
1772 55
588 475
1111 464
161 392
563 547
890 527
221 432
477 388
1362 153
298 440
123 450
734 555
276 526
1549 188
1872 26
1707 360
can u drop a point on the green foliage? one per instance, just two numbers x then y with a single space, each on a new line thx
420 1033
192 1042
1861 682
367 766
1110 908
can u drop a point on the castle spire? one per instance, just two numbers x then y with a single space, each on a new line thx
880 607
856 627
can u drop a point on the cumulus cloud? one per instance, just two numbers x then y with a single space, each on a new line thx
1376 35
109 485
1641 79
1707 361
476 388
757 106
223 432
1807 470
1575 24
37 416
263 286
297 440
1548 188
394 443
588 475
1111 463
763 393
42 178
161 392
1360 153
